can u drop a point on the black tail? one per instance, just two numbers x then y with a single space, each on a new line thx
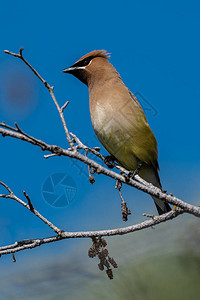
150 174
164 209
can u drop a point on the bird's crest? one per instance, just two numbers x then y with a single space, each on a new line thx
95 53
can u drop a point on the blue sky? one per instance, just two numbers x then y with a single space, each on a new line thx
155 47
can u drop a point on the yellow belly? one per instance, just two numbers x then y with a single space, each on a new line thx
118 141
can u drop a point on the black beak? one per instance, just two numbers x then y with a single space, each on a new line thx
78 72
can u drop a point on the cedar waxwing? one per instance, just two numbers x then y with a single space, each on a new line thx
118 119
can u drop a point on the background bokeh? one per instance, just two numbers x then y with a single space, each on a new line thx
155 47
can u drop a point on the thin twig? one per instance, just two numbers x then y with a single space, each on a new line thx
91 178
64 106
118 186
94 151
124 209
29 206
50 155
7 187
27 135
51 91
29 201
148 215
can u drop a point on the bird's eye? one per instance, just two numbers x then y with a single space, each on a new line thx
86 61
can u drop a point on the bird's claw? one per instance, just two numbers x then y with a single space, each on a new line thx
132 174
109 161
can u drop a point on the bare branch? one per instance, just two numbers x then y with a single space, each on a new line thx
50 89
5 185
148 215
137 182
13 257
94 151
32 243
20 56
64 106
29 206
49 155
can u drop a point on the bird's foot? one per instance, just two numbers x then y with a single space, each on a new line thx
109 161
174 208
132 174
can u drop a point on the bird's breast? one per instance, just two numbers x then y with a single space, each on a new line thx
112 130
105 121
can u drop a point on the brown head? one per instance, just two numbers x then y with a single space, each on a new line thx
92 66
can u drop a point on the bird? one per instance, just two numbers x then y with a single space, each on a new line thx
118 119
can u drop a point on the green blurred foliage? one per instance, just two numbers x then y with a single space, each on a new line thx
161 263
